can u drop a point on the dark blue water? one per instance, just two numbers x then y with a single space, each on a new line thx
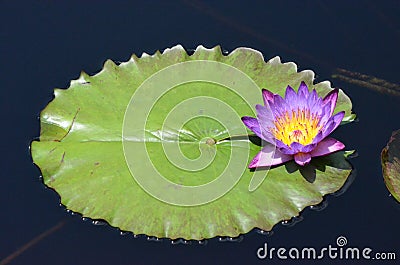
44 45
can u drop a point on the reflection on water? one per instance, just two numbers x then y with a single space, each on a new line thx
180 241
263 232
319 207
294 220
371 82
231 239
154 239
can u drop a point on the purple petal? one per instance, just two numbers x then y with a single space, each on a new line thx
296 147
279 107
308 148
325 115
303 90
313 101
268 136
318 138
268 96
330 99
313 97
268 156
283 148
302 158
299 148
266 122
316 105
290 96
327 146
252 124
265 115
302 98
332 124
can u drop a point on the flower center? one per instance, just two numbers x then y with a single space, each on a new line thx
296 126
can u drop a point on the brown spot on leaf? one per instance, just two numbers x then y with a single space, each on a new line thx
62 158
52 150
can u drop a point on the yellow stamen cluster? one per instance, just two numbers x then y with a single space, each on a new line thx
298 126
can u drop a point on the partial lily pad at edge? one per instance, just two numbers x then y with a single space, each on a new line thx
390 158
80 150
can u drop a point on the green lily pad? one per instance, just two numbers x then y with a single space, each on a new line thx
156 146
390 158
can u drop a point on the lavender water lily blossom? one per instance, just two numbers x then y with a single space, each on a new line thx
295 127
